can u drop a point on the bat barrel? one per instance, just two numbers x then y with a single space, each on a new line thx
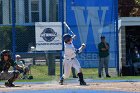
68 27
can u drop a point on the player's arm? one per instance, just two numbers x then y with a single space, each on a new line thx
106 45
18 67
22 64
81 48
14 64
101 48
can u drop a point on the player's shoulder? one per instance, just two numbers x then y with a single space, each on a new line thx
68 45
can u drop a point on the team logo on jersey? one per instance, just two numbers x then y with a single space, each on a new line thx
48 34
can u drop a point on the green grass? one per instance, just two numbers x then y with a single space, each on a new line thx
40 73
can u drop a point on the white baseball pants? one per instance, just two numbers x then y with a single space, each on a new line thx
68 64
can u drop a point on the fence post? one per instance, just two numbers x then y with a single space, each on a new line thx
117 37
13 29
51 64
61 19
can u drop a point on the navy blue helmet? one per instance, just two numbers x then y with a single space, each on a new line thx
5 53
67 37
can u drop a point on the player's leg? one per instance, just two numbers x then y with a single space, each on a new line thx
73 73
11 76
67 69
106 60
6 76
77 66
25 73
100 67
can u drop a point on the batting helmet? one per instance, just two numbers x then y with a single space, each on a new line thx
5 53
67 37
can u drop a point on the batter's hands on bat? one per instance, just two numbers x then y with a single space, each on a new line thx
81 48
83 45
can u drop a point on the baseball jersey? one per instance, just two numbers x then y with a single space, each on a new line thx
4 66
20 63
69 51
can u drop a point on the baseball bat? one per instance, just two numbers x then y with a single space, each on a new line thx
68 27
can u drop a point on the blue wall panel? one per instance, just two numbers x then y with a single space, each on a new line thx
89 19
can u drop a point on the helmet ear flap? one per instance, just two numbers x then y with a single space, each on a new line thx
67 40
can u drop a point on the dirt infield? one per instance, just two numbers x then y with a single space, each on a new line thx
112 86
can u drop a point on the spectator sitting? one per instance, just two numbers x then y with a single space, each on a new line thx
21 64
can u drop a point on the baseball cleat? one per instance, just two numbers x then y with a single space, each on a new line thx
108 76
61 82
7 84
75 77
82 83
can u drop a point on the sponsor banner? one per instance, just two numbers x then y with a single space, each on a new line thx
91 59
48 36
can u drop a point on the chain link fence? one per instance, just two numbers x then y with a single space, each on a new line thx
23 14
27 12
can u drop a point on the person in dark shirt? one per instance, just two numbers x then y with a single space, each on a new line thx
5 63
103 48
136 60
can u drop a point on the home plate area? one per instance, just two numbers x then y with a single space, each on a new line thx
72 86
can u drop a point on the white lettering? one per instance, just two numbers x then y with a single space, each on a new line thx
92 18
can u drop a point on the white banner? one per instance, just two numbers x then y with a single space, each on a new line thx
48 36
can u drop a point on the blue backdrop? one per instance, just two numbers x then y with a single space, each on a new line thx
89 19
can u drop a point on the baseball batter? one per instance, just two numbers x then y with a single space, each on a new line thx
70 59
